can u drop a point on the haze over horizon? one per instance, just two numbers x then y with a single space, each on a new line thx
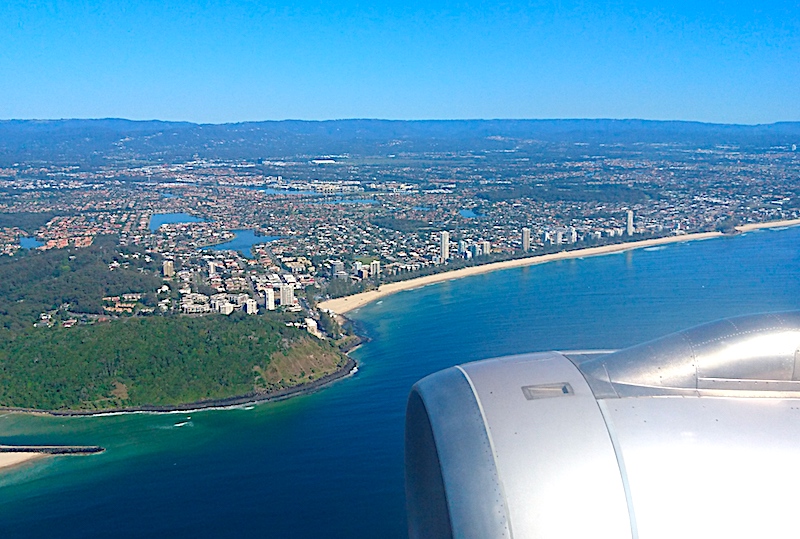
221 61
312 120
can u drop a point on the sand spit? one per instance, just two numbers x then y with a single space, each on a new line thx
9 460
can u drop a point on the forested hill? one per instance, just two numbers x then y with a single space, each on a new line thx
159 361
97 141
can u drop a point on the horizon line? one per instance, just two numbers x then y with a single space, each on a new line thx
415 120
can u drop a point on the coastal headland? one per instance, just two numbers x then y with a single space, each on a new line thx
341 306
164 364
211 404
14 456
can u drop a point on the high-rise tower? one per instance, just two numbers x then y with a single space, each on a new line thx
445 245
168 267
287 295
269 299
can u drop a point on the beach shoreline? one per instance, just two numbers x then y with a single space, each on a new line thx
341 306
13 460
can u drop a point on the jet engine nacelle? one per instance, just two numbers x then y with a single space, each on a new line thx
696 434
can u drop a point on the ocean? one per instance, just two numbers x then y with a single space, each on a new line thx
330 464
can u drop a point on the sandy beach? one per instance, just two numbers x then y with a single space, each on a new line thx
8 460
772 224
346 304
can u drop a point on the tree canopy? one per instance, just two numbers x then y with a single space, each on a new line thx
157 361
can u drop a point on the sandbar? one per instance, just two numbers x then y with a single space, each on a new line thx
346 304
8 460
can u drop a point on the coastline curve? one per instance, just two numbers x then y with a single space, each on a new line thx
349 368
341 306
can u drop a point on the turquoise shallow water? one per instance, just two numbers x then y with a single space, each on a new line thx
330 464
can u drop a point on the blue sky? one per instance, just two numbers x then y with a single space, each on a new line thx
237 60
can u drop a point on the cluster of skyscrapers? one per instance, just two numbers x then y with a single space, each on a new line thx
360 270
285 296
479 248
558 236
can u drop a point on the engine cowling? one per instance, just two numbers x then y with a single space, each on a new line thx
696 434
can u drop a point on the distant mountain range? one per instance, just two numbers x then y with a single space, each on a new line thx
98 141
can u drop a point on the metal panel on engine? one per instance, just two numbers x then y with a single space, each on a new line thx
700 467
554 456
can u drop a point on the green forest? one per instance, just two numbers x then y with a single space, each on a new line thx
157 361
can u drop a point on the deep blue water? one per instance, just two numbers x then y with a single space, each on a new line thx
159 219
331 464
243 242
29 243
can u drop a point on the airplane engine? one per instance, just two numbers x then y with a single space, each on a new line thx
696 434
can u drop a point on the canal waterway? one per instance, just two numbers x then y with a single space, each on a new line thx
29 243
469 214
244 242
158 219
